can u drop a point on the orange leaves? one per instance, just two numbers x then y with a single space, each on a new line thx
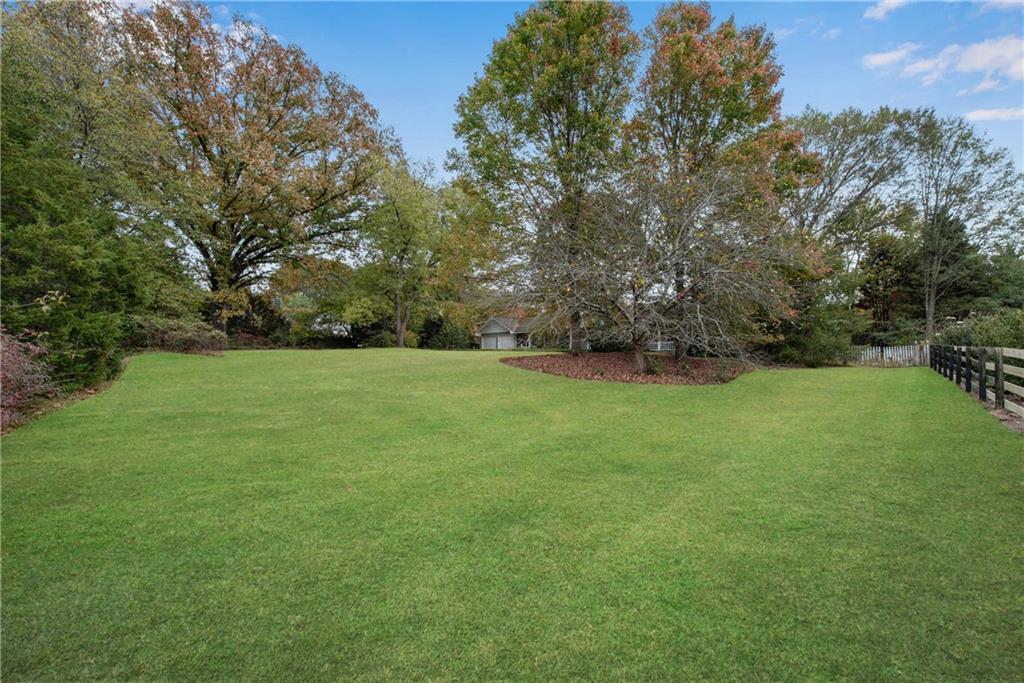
708 87
277 153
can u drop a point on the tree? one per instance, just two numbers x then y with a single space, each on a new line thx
402 241
272 158
421 254
1007 267
627 252
310 294
887 274
964 192
860 155
541 124
82 247
709 100
840 208
705 89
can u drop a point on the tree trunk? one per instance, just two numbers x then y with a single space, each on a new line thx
575 333
400 322
219 322
639 356
929 313
218 310
680 288
400 333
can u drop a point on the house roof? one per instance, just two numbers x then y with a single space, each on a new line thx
514 325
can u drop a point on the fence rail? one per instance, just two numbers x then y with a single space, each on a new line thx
995 374
904 356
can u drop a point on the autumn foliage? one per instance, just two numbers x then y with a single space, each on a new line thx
272 157
24 378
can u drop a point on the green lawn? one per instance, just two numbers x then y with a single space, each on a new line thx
412 514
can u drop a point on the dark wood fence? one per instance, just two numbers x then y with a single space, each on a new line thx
996 375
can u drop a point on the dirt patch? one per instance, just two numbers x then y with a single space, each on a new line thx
1011 421
618 367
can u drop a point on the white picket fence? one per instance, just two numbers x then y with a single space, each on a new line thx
905 356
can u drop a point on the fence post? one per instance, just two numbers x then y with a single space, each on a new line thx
961 352
982 389
949 360
997 376
967 370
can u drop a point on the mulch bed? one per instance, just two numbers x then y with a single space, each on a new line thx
618 367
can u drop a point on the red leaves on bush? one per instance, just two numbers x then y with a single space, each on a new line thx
24 379
618 367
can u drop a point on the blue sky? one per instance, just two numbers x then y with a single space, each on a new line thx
413 59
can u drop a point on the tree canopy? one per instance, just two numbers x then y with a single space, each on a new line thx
162 172
272 157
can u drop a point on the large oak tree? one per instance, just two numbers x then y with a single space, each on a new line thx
273 158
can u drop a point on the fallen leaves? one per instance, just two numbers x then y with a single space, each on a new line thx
618 367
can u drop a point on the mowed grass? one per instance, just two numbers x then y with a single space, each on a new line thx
388 514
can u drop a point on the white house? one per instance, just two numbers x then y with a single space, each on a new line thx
506 333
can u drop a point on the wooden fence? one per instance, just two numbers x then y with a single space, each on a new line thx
904 356
995 374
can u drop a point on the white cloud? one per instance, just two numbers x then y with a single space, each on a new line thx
932 68
1003 56
832 34
783 33
222 11
996 114
987 83
880 60
995 57
882 8
1001 5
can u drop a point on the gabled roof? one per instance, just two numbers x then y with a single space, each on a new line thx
513 325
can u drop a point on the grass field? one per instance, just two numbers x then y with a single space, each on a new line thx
409 514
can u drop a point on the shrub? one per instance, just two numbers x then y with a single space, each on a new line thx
386 338
381 339
1005 328
601 345
181 336
818 336
442 333
725 370
25 378
245 340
